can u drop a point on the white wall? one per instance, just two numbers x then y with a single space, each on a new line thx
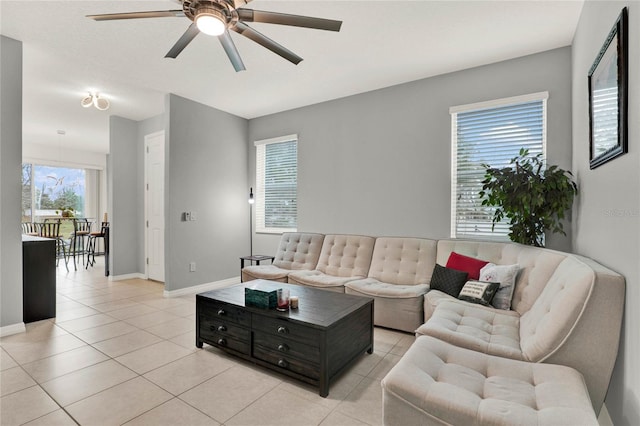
10 185
379 163
607 215
53 155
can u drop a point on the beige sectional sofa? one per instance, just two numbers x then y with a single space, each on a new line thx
296 251
398 280
534 363
343 258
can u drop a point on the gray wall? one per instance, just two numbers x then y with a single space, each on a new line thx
607 215
379 163
10 181
206 166
124 199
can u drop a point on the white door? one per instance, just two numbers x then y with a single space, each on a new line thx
154 202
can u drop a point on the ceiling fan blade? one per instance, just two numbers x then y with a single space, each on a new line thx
261 39
232 52
138 15
240 3
183 41
251 15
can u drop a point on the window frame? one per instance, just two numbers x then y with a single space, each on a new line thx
260 203
478 106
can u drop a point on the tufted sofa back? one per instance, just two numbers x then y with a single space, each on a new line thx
557 309
298 250
345 255
403 261
537 265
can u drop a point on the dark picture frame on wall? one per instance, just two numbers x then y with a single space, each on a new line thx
608 82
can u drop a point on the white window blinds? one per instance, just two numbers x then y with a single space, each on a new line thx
277 184
489 133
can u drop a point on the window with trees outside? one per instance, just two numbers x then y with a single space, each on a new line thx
49 192
490 133
277 184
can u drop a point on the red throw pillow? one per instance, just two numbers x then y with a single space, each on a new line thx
470 265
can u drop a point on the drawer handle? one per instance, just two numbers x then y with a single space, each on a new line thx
221 312
222 328
222 342
283 347
282 363
282 330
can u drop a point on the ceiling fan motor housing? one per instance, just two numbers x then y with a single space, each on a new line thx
222 9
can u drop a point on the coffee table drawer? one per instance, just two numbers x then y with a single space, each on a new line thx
226 312
287 362
288 329
223 341
287 347
209 325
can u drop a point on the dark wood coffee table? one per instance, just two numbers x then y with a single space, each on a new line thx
313 343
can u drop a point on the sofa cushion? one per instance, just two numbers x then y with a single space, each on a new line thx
556 312
478 292
346 255
505 275
468 264
475 327
298 250
395 306
447 280
373 287
404 261
265 272
316 278
438 383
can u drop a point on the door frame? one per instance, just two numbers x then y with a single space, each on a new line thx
146 198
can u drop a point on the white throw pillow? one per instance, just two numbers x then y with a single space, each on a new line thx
506 276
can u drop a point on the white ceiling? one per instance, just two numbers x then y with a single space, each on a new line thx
381 43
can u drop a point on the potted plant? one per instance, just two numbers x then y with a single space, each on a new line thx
66 212
532 197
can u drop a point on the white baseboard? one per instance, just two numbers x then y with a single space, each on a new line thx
202 287
127 277
604 419
8 330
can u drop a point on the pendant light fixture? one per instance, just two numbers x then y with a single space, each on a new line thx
94 99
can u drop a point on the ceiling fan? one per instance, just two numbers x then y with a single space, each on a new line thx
217 17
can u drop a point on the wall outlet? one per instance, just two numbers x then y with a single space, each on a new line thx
187 216
192 267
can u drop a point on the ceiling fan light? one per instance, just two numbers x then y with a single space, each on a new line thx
87 101
211 21
101 103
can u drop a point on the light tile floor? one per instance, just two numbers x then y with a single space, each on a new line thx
119 352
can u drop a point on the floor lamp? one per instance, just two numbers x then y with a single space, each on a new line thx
251 201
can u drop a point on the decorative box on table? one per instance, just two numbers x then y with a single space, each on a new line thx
265 299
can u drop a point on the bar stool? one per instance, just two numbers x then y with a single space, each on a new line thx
81 230
51 230
91 246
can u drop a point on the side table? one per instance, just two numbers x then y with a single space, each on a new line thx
254 258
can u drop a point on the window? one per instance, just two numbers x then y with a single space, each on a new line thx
48 191
277 184
489 133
